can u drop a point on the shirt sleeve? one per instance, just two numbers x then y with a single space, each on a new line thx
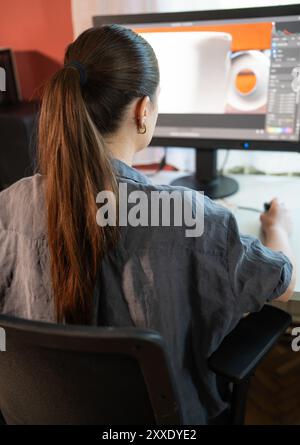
257 274
6 272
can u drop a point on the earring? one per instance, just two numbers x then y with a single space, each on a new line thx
143 129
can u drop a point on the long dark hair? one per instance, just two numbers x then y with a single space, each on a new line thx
119 66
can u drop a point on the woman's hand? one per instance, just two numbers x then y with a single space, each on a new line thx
277 218
277 226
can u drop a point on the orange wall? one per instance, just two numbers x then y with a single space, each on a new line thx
38 31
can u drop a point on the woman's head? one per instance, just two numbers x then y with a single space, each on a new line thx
121 81
105 93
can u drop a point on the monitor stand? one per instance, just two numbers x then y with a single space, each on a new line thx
206 177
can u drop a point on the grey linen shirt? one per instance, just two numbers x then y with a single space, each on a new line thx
192 290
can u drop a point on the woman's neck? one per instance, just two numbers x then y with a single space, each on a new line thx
121 149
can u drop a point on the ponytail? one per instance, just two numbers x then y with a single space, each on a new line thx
105 69
76 167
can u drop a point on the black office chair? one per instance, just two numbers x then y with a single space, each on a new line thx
55 374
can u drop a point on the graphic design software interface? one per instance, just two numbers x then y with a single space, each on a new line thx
232 79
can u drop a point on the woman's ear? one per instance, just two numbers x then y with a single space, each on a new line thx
141 111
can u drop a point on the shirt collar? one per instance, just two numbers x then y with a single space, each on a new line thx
124 171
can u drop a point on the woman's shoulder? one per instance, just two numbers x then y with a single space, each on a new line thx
22 207
213 211
183 217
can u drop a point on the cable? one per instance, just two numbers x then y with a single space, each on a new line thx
221 171
162 164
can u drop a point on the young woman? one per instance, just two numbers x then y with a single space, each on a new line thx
97 112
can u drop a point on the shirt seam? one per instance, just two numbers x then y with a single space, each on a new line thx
227 255
132 179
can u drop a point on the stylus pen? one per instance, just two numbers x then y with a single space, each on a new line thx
253 209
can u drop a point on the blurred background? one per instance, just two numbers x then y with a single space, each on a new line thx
38 32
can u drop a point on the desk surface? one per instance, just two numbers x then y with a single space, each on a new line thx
254 190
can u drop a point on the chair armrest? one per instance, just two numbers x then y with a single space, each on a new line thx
2 421
253 337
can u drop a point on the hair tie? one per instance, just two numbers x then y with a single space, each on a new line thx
81 69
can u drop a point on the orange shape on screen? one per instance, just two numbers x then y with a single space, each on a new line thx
245 81
244 36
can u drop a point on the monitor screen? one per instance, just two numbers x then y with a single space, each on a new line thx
226 79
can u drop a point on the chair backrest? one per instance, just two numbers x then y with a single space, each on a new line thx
56 374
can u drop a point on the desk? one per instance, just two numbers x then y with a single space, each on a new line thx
254 191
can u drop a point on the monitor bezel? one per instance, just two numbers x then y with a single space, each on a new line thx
217 14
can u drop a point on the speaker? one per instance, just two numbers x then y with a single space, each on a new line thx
18 124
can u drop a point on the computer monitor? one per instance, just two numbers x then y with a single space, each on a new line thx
230 79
